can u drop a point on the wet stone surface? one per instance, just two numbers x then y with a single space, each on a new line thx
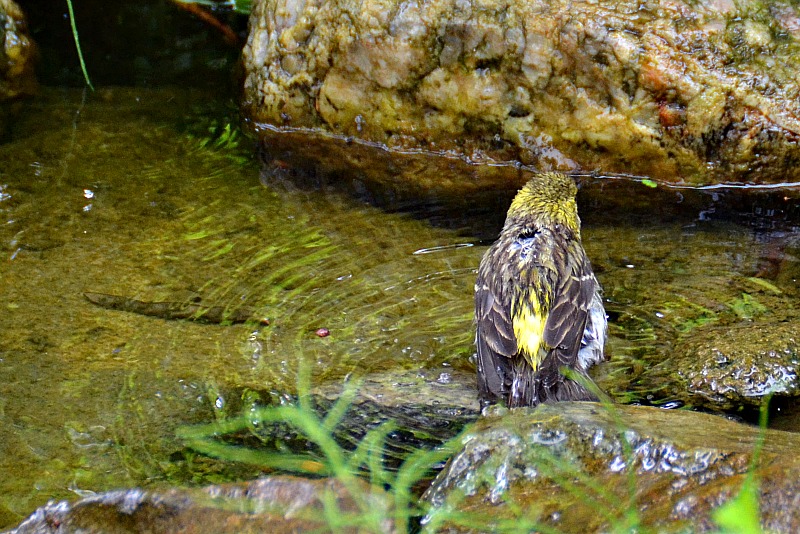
17 54
586 467
733 367
17 57
276 504
405 93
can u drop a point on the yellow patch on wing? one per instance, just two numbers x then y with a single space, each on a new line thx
528 329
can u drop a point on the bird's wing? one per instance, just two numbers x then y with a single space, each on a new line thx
495 339
575 289
494 320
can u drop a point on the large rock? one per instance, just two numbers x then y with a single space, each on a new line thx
581 467
728 368
397 91
275 504
17 53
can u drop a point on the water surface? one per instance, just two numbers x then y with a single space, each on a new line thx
140 193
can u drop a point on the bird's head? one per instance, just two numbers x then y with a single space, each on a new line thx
548 199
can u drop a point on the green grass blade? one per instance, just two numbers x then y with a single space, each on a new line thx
78 44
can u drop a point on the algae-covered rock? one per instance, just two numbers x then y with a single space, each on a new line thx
727 368
583 467
16 59
16 53
274 504
680 91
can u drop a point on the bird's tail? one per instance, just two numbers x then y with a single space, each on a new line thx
529 388
575 388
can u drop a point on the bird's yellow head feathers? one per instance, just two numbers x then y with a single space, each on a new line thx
548 198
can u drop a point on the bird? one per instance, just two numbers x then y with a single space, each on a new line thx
538 305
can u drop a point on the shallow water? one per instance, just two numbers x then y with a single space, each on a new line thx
126 192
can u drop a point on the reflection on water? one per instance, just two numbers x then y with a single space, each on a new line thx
116 196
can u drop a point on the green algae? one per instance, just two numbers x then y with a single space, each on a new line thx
110 211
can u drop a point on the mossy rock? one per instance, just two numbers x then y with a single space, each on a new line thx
453 95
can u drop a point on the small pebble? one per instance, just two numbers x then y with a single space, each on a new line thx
322 332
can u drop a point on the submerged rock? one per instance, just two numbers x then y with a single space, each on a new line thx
445 390
398 91
274 504
426 409
581 467
728 368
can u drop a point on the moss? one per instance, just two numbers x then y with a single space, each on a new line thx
622 88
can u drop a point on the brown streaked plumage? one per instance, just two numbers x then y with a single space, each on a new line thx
538 307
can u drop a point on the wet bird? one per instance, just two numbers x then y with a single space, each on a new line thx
538 306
